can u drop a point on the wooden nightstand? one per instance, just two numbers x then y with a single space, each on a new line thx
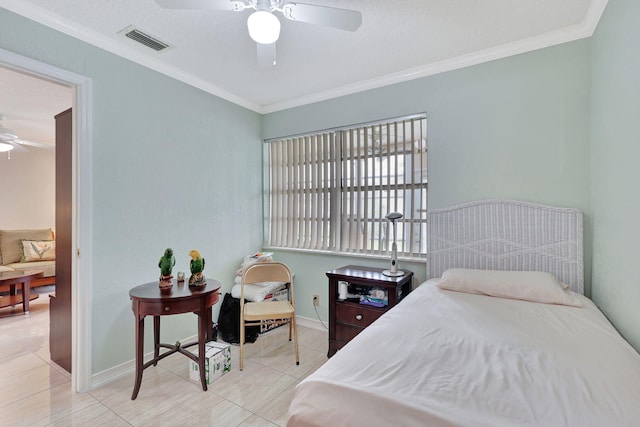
347 318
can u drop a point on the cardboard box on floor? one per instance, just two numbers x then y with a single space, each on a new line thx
217 362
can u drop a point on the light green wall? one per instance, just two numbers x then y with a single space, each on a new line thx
516 128
29 187
615 149
170 168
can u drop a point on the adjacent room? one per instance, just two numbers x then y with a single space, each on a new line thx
390 164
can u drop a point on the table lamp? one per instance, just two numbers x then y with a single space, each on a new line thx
393 271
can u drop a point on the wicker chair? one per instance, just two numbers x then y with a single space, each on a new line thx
268 312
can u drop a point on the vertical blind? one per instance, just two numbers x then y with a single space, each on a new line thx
331 190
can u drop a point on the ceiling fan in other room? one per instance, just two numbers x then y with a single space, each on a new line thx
263 24
9 141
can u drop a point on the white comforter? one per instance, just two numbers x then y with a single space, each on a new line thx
443 358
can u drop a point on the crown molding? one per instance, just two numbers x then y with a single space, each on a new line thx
96 39
575 32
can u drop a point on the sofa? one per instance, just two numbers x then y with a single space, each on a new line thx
30 249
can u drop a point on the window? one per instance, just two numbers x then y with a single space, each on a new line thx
331 190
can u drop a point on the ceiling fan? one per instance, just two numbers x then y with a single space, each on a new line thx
9 140
263 24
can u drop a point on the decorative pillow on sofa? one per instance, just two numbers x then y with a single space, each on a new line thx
38 250
10 242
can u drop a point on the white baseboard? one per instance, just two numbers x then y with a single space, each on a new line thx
112 374
310 323
124 368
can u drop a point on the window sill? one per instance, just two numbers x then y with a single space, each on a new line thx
344 254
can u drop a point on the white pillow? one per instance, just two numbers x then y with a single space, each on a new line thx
256 292
533 286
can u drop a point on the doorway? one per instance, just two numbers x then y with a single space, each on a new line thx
81 207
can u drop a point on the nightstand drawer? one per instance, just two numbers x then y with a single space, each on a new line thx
346 332
356 315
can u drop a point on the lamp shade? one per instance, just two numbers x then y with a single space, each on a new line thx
4 147
264 27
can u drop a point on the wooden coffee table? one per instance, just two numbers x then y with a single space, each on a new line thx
22 278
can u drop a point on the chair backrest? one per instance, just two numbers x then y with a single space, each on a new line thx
268 272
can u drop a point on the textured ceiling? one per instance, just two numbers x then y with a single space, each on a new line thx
398 40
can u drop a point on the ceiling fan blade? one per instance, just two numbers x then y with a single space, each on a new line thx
17 146
343 19
203 4
266 55
34 144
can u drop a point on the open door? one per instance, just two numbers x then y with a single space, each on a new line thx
60 305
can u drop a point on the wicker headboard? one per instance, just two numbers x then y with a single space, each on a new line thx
507 235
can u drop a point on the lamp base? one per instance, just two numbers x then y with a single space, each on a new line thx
393 274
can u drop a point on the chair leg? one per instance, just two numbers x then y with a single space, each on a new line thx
241 343
295 338
289 330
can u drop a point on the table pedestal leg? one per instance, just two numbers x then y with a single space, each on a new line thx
202 339
209 324
139 355
156 338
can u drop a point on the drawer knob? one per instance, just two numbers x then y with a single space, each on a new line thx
167 308
358 316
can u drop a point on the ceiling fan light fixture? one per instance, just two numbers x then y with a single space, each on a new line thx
4 147
264 27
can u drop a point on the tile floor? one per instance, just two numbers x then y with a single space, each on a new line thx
34 392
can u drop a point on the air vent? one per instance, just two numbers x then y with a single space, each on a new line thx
145 39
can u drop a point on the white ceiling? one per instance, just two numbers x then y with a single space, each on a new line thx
399 40
30 104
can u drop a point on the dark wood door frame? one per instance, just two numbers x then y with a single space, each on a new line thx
60 307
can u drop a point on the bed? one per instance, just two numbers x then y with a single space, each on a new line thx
485 355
